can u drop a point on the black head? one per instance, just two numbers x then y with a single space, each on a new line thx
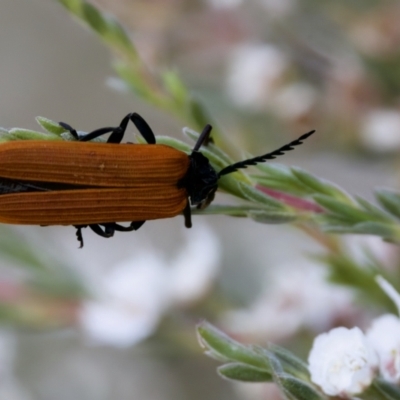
201 180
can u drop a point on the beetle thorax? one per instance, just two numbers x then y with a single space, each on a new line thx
201 180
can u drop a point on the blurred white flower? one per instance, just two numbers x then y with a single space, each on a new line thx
384 336
295 100
380 130
218 4
294 298
194 270
133 297
342 362
255 72
363 247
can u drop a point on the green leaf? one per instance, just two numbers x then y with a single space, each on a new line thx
244 373
105 26
290 363
298 389
175 87
365 228
168 141
117 35
272 216
344 271
373 210
228 349
388 390
198 113
94 18
50 126
280 177
390 200
350 212
252 194
321 186
26 134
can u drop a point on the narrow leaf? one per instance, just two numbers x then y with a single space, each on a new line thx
350 212
244 373
273 217
390 200
388 390
320 186
212 338
26 134
290 363
299 389
252 194
50 126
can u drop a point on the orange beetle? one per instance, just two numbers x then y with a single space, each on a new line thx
97 185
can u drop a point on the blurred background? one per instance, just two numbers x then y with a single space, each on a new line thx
117 318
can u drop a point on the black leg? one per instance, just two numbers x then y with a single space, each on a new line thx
117 133
69 128
97 133
88 136
203 138
134 226
106 232
79 234
187 213
143 127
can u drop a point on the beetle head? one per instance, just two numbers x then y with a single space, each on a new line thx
201 180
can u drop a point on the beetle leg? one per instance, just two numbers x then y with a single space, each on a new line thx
79 234
97 133
204 138
134 226
69 128
143 127
187 213
88 136
117 133
107 232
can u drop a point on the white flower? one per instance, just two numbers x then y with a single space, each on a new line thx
384 336
381 130
295 100
254 74
342 362
294 298
131 301
132 298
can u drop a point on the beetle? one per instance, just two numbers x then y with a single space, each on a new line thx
97 185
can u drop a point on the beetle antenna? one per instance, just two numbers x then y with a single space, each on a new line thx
203 138
269 156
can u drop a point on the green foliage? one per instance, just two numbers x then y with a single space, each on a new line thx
274 364
253 364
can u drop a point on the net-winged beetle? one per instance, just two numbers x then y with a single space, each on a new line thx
97 185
